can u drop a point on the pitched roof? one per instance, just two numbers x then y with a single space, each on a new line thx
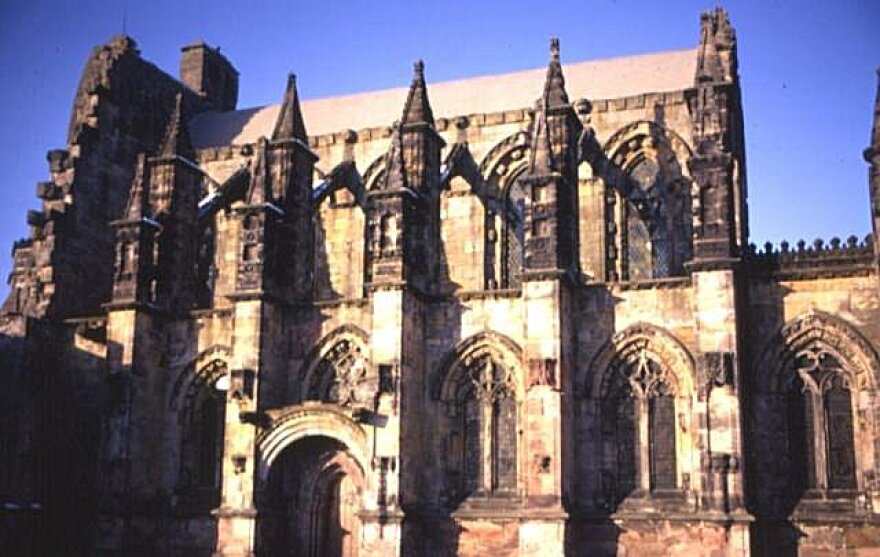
595 79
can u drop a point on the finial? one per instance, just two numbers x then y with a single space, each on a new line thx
289 124
419 69
554 48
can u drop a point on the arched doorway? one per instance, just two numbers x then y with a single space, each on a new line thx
310 502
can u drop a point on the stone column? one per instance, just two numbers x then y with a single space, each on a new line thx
236 517
719 401
544 414
396 336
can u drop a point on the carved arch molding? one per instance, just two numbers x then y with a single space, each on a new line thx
809 333
626 349
293 423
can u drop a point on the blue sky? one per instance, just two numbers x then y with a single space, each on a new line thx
807 67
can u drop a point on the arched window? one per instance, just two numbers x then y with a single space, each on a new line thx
813 398
513 248
209 423
649 226
487 405
648 223
821 446
202 449
206 268
640 417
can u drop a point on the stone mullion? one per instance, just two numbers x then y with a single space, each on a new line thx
644 449
623 238
820 437
487 444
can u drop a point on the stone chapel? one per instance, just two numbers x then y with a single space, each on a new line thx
513 315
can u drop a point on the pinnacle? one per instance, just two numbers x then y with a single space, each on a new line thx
395 177
290 123
137 197
541 163
417 109
708 61
554 86
176 140
875 130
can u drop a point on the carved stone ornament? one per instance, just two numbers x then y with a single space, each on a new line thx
542 372
343 377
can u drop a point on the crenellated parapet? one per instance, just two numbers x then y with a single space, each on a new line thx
818 259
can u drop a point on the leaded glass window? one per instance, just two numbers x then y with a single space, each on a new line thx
661 426
514 233
821 433
488 406
642 407
647 223
839 427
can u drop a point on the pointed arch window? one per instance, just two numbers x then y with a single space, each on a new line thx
821 435
640 416
649 210
513 255
647 223
488 411
202 441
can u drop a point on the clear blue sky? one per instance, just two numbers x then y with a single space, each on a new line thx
807 67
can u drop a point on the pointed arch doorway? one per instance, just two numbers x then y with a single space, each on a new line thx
311 501
311 488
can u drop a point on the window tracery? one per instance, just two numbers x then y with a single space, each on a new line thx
640 416
821 435
514 233
649 206
488 409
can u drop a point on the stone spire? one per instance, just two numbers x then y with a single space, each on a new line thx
176 141
138 198
541 163
720 223
554 98
874 148
716 53
260 188
708 63
290 123
417 109
395 175
554 85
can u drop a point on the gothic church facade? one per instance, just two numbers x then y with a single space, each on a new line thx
446 320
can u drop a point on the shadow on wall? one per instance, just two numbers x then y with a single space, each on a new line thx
775 539
50 427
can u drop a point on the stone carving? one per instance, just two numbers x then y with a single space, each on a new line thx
344 376
542 372
717 370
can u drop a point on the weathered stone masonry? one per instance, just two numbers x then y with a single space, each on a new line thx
475 324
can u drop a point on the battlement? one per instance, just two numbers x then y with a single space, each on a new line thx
819 258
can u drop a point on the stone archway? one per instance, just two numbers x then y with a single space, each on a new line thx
312 483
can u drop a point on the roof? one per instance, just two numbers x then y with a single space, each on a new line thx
596 79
